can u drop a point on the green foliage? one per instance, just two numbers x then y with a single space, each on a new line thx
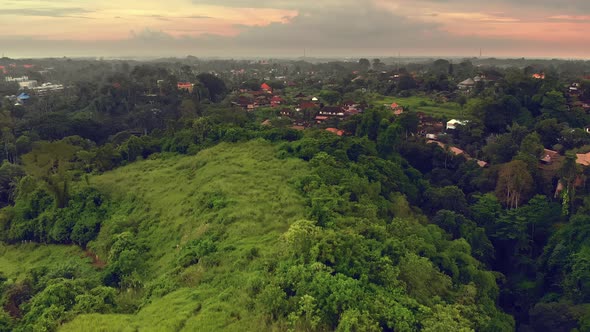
51 162
195 250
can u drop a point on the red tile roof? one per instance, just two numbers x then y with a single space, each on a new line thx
265 87
583 159
335 131
307 105
185 85
482 163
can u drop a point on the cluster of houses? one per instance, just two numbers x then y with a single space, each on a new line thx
31 86
18 100
468 84
551 161
251 100
304 111
575 94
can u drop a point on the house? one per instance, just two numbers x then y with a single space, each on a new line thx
186 86
332 111
306 106
549 156
574 89
336 131
583 159
539 76
29 84
266 88
482 163
48 87
578 182
458 152
587 128
20 99
276 101
263 100
352 111
286 112
452 124
23 96
396 108
243 102
454 150
466 85
320 118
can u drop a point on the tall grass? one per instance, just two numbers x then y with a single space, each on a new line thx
239 193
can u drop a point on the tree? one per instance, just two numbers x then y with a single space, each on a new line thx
188 109
214 85
329 96
409 121
377 64
514 183
531 149
52 163
550 131
569 173
406 82
364 64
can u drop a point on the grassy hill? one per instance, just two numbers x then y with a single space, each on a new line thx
16 261
240 238
425 105
240 193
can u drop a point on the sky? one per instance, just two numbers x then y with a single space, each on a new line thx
290 28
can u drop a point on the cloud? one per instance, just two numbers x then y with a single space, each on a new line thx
328 28
47 12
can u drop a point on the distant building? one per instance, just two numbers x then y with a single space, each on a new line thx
276 101
332 111
266 88
319 119
186 86
336 131
16 79
574 89
583 159
47 88
24 82
452 124
30 84
22 98
466 85
397 109
549 156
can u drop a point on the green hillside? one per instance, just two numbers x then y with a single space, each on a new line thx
247 237
241 193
